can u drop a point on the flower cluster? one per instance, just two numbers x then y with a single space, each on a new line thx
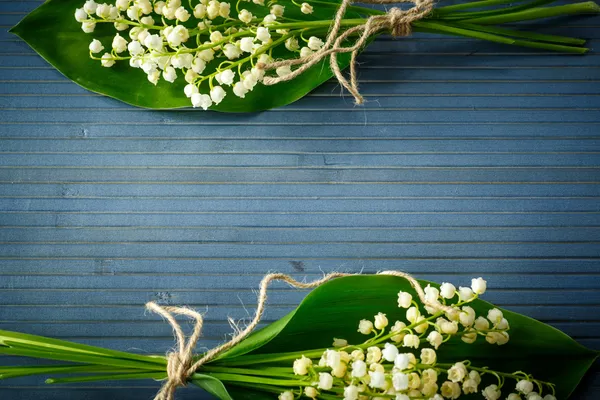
205 43
400 359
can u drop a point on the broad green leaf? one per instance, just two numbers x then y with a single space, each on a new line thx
51 30
212 386
334 309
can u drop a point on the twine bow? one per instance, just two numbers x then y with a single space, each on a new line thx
181 365
397 21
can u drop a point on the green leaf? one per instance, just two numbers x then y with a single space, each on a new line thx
212 386
334 309
51 30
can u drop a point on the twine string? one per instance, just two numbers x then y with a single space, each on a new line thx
397 21
180 363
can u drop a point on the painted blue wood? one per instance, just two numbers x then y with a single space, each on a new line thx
468 158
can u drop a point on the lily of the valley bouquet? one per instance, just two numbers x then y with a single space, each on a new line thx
354 337
249 55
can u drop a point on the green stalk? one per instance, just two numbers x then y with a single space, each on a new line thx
528 35
114 377
276 372
268 358
472 4
499 11
445 28
15 372
588 7
80 358
15 339
253 379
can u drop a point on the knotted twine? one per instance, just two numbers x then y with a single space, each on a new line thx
397 21
180 363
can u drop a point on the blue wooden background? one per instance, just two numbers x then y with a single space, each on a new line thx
468 159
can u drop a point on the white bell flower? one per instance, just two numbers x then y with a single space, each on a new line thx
206 55
359 369
365 327
90 6
154 76
201 100
121 26
277 10
190 76
263 34
103 11
397 329
245 16
337 342
450 390
469 336
96 46
148 66
465 293
158 7
314 43
549 397
390 352
144 5
306 8
351 392
502 325
447 290
246 44
292 44
373 355
107 60
428 356
404 298
525 386
198 65
435 339
200 11
478 286
169 12
287 395
332 358
217 94
431 294
182 14
216 36
178 35
135 48
169 74
412 314
240 90
325 381
429 376
153 42
80 15
302 365
119 44
513 396
88 26
491 392
147 20
135 62
411 341
381 321
495 316
212 11
231 51
310 392
402 396
377 380
122 5
133 13
400 381
269 19
224 9
469 386
481 324
467 316
457 372
402 361
259 2
189 90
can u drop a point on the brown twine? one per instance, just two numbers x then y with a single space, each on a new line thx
397 21
180 365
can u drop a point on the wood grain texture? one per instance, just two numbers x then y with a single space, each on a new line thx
468 158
